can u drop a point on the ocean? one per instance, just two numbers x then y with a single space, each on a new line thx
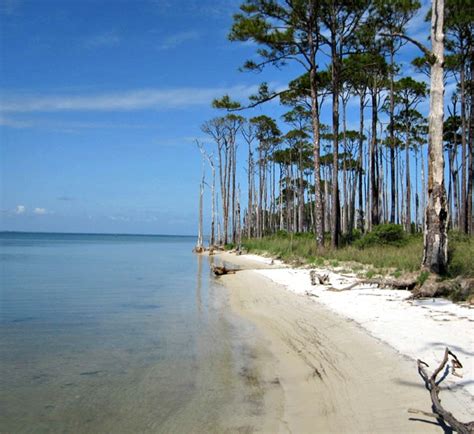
119 333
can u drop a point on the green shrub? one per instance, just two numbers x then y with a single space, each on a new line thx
349 238
386 234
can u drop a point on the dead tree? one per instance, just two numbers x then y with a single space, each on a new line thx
199 246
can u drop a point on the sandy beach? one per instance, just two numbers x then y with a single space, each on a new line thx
330 372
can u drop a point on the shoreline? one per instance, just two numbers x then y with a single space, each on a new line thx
334 373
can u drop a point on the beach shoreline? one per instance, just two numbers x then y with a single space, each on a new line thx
334 373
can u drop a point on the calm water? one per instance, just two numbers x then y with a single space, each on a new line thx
106 333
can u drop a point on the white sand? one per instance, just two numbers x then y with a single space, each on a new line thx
419 329
361 383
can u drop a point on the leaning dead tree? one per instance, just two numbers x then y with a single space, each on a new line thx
432 384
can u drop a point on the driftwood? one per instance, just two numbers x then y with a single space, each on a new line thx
407 284
221 270
318 279
432 385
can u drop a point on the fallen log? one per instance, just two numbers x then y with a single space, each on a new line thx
221 270
405 284
432 385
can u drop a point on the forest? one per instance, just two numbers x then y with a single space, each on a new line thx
398 170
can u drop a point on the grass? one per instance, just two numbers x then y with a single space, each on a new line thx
396 259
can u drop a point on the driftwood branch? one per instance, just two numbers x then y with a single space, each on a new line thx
406 284
432 385
318 279
221 270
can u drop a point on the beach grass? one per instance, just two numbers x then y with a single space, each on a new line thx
395 258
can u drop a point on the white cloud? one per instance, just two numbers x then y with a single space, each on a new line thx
177 39
14 123
20 209
124 101
40 211
66 126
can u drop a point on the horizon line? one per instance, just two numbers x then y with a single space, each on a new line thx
94 233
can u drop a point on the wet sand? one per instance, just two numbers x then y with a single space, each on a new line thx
327 373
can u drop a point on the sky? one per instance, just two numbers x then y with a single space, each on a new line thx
101 102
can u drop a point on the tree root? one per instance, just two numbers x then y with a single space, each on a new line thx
458 288
432 385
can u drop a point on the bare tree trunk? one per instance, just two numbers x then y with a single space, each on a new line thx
344 168
397 177
408 187
374 186
212 240
250 192
423 188
300 194
353 188
381 183
454 178
260 194
463 211
239 227
310 203
335 217
392 140
281 200
435 246
361 162
470 198
318 215
234 170
417 197
199 245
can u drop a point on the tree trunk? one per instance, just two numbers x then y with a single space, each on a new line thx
408 187
471 149
300 195
435 246
423 188
318 215
335 217
250 192
234 170
213 210
393 183
463 210
345 210
361 163
199 245
374 190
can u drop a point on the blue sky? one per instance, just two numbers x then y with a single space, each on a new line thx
100 103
